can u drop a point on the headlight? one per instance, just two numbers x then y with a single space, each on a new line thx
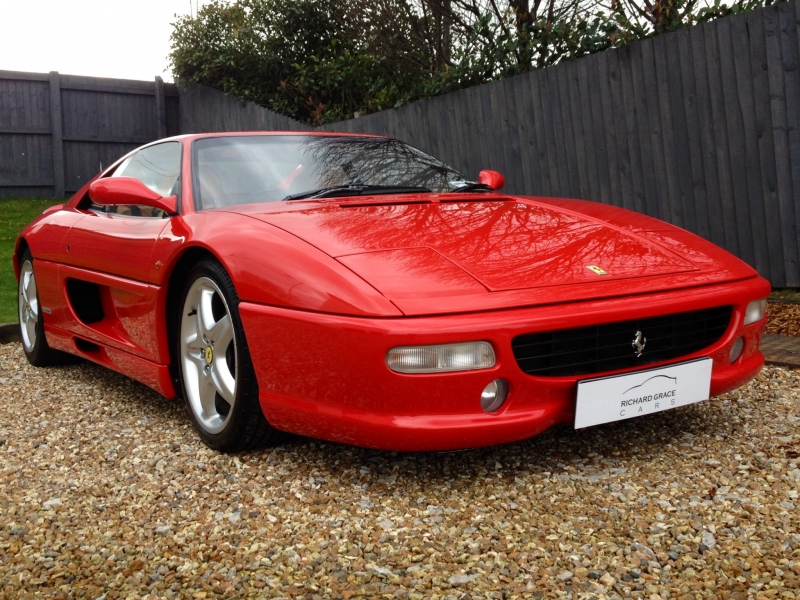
442 358
755 311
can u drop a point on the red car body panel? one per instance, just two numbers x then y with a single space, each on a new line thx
328 286
328 379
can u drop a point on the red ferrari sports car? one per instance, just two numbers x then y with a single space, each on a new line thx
355 289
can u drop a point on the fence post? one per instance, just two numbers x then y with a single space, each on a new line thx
161 109
58 135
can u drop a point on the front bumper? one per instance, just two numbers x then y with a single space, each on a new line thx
325 376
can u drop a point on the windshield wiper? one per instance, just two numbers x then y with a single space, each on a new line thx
357 189
473 187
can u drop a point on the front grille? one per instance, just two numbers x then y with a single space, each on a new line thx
608 347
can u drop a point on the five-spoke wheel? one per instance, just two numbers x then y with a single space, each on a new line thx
31 319
208 354
28 306
218 381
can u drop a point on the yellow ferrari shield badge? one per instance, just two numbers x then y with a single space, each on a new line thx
209 354
596 269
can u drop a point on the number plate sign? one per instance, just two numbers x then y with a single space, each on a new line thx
629 395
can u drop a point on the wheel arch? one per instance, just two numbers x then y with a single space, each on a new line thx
175 284
21 246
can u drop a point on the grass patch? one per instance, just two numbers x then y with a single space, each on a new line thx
786 295
15 214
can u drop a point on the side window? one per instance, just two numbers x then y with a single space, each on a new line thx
159 168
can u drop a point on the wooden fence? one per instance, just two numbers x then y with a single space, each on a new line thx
57 130
700 128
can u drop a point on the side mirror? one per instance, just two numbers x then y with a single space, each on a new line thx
114 191
493 179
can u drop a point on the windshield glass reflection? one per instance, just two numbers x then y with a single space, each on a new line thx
235 170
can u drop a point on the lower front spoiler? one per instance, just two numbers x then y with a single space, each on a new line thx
444 432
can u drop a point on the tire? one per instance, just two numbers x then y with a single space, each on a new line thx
214 366
31 319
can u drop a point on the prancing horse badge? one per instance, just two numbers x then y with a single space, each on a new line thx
597 270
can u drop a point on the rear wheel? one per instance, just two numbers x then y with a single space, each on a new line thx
31 322
216 372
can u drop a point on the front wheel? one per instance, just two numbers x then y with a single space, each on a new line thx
216 372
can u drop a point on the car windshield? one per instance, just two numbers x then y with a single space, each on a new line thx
234 170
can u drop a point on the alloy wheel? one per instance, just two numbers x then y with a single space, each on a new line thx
28 306
208 355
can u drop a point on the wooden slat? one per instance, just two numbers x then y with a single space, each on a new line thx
610 134
161 109
765 144
133 88
791 62
474 159
123 139
642 96
780 136
57 132
596 138
552 130
698 197
22 76
458 138
563 109
491 154
506 133
659 201
576 145
729 126
631 128
745 162
548 155
588 103
662 57
26 183
626 198
719 213
681 147
23 130
523 119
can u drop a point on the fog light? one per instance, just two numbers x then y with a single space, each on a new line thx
494 395
755 311
443 358
736 350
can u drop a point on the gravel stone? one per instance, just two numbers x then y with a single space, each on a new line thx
708 540
106 493
461 579
784 318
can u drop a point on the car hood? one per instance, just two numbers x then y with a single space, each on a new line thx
430 256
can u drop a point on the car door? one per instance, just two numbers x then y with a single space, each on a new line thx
107 265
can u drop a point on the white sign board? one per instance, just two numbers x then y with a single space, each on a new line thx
629 395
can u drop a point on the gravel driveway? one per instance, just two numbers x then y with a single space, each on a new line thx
105 492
